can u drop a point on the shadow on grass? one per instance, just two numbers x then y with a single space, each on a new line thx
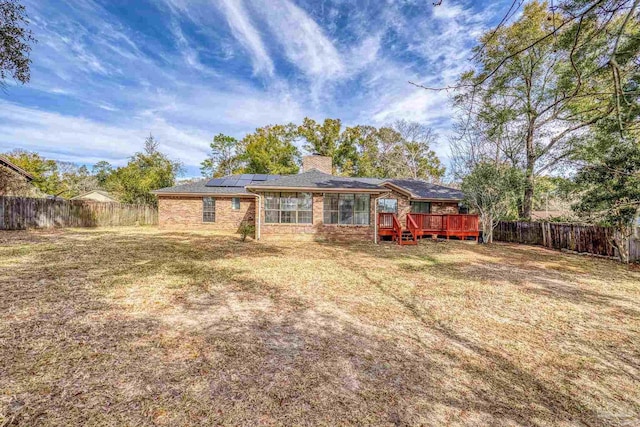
233 349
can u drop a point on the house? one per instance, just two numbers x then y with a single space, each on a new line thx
97 196
15 181
314 203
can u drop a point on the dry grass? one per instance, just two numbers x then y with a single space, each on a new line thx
148 327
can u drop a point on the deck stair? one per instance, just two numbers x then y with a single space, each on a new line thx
407 238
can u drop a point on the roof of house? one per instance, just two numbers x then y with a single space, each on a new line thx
200 187
425 190
101 192
311 180
314 179
5 162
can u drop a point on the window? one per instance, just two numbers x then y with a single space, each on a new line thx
235 203
420 207
208 209
388 205
288 208
346 209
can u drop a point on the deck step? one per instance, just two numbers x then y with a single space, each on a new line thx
406 238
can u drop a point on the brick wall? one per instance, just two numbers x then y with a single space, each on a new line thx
404 207
187 212
322 163
444 207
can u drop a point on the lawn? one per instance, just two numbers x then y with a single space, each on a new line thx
138 326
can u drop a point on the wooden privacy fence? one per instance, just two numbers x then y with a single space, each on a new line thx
577 238
20 213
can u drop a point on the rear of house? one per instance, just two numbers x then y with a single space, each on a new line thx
312 204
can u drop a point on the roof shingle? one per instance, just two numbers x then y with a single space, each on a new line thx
320 180
315 179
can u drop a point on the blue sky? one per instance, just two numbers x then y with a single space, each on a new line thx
107 73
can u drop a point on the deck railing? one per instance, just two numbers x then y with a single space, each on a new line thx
385 220
429 222
448 225
464 223
413 227
397 226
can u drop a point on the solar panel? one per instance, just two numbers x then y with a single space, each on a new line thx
248 176
216 182
229 182
259 177
243 182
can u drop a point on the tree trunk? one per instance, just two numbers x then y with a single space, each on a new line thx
527 202
487 228
621 243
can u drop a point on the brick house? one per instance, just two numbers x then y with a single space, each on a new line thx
313 203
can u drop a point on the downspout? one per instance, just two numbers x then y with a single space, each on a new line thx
375 218
258 214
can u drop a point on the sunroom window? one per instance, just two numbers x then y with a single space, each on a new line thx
288 208
346 209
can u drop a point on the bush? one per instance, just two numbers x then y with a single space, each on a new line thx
246 230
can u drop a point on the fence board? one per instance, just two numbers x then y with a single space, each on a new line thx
577 238
19 213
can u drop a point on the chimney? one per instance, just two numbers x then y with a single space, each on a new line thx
316 161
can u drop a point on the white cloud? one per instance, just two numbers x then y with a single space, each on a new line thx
305 44
246 33
127 84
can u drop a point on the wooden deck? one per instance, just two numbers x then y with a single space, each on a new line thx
420 225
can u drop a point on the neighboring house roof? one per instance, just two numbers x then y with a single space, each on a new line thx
424 190
88 195
311 180
5 162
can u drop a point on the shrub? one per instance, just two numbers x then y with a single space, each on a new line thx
246 230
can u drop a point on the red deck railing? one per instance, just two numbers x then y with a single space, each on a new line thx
448 225
419 224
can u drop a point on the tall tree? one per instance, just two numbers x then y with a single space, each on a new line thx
544 79
415 157
146 171
15 42
76 180
270 149
359 151
612 190
223 159
101 171
325 139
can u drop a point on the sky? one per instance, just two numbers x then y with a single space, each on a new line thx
106 74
